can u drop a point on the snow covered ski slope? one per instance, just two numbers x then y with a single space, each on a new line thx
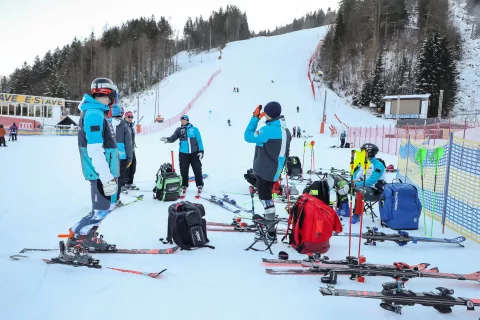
44 193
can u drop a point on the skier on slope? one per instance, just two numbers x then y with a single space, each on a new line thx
100 164
191 153
229 123
123 137
375 175
133 167
271 151
343 136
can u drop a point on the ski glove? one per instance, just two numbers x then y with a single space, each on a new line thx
110 188
164 139
257 113
200 155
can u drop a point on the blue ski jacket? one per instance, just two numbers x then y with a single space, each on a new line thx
272 147
375 173
96 142
190 139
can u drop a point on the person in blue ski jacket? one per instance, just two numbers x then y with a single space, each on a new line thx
100 165
271 151
191 152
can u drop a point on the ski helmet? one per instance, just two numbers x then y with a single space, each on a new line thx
117 111
371 149
166 167
105 86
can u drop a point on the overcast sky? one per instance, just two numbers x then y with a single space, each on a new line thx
32 27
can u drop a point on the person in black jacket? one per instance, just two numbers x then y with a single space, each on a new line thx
133 167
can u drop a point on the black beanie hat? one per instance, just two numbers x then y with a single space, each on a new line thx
273 109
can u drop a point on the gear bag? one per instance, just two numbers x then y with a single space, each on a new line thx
168 187
320 190
294 167
400 207
186 226
311 223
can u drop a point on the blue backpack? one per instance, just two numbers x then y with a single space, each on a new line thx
400 207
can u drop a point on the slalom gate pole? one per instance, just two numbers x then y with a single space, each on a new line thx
352 185
365 165
421 154
436 156
173 162
303 159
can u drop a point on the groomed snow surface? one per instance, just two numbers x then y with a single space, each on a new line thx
44 193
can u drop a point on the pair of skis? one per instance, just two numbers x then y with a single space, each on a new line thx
394 297
95 263
221 203
358 272
372 236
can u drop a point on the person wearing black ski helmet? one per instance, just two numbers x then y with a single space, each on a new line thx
375 176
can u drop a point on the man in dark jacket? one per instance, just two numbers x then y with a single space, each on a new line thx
271 151
13 132
191 153
133 167
123 137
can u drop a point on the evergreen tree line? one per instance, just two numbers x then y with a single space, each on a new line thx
310 20
375 49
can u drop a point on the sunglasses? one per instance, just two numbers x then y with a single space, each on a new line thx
129 117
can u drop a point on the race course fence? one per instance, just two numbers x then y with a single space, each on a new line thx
457 201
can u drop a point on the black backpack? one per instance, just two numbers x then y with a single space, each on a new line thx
294 167
319 189
186 226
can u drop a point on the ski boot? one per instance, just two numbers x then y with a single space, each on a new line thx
119 203
199 192
92 242
131 187
76 255
184 193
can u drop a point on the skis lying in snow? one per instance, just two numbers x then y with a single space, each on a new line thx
326 262
234 227
358 272
402 238
221 204
95 265
235 204
394 297
126 251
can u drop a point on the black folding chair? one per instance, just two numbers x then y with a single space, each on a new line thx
263 226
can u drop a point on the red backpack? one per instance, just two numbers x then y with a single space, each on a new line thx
312 224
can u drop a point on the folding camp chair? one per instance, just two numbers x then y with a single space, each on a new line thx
263 226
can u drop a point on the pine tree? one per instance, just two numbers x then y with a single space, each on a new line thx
378 81
436 70
366 94
4 85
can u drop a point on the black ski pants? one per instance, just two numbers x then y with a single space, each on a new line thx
264 189
2 141
14 136
131 170
187 159
121 178
342 143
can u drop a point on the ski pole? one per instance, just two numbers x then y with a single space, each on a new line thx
173 163
251 189
436 156
421 154
365 165
352 159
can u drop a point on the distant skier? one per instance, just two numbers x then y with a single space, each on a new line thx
273 82
123 137
3 132
13 132
229 123
133 167
271 151
294 132
100 163
191 153
299 132
343 136
298 109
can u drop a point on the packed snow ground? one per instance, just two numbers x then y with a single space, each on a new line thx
44 193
